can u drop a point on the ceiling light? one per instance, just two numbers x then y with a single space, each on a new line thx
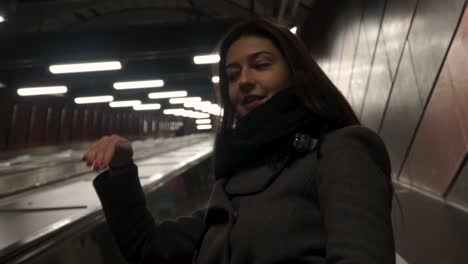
160 95
199 115
184 100
94 99
138 84
42 90
2 19
85 67
206 59
203 121
204 127
197 104
142 107
124 103
215 79
203 105
173 111
293 30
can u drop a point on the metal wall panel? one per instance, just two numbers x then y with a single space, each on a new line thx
37 125
6 108
378 89
457 63
52 125
439 147
373 16
346 61
361 69
77 124
403 113
19 128
66 121
395 28
457 66
430 37
458 193
351 37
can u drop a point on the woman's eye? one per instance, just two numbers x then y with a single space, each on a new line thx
262 65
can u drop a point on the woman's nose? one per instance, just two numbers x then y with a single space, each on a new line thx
246 82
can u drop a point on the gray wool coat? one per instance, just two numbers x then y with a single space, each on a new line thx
329 208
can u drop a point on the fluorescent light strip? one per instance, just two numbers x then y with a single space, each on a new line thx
124 103
203 121
30 91
94 99
206 59
185 113
85 67
143 107
160 95
138 84
215 79
172 111
184 100
197 104
204 127
199 115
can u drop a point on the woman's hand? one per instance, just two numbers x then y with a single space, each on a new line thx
113 151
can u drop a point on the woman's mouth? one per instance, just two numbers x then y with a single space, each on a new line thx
252 101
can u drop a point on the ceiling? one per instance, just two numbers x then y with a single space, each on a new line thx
154 39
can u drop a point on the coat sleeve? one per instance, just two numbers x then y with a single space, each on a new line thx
139 238
355 197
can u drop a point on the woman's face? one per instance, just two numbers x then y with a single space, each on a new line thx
255 70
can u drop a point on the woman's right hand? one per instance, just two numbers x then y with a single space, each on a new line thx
109 151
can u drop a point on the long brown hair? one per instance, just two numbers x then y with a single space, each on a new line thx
309 82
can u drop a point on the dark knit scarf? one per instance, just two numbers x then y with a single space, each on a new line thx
265 134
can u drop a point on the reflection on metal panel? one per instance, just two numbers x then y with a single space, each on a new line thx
458 192
361 69
429 39
378 90
438 148
402 115
395 28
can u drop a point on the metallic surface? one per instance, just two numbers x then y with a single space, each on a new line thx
378 90
395 28
439 147
403 112
28 171
26 218
428 230
458 192
457 67
361 69
429 39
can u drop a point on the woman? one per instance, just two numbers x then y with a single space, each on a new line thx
297 179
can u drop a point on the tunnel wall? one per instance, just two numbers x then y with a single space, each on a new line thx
402 64
32 121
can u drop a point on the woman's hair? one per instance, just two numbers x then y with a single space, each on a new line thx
309 82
